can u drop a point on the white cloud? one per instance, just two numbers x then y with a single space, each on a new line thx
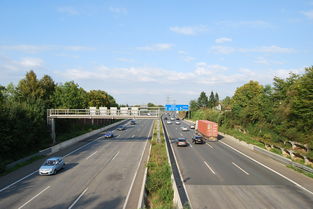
263 49
308 14
222 49
40 48
249 23
264 61
156 47
118 10
189 59
189 30
31 62
68 10
222 40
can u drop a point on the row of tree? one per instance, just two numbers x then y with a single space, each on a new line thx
23 108
282 111
204 102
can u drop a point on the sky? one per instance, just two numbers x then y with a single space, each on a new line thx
165 51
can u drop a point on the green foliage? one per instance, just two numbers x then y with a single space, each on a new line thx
98 98
70 96
158 184
23 108
203 100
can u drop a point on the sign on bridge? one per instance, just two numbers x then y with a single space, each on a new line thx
170 107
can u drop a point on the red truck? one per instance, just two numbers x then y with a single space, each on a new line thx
207 129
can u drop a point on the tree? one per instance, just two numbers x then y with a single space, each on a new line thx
193 105
151 104
226 103
211 100
203 100
70 96
98 98
216 99
29 88
246 102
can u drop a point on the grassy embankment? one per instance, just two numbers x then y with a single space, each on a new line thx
159 185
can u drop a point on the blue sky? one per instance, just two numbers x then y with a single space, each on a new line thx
146 51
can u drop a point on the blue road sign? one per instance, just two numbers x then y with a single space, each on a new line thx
170 107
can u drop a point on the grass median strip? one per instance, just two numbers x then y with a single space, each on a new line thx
159 185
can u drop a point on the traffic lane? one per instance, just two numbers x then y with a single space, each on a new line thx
120 174
35 183
237 196
28 170
17 195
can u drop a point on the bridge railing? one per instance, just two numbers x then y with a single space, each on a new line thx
101 112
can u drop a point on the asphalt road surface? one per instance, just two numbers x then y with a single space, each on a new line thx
100 174
217 176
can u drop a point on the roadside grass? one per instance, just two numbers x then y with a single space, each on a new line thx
22 164
276 151
158 185
241 136
301 171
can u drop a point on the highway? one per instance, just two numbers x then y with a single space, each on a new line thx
217 176
103 173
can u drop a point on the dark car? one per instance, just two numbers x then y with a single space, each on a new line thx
51 166
121 128
197 139
132 122
108 134
165 118
181 142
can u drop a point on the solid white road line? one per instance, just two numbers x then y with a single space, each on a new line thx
115 156
210 146
240 168
209 167
91 155
133 181
1 190
34 197
72 205
295 183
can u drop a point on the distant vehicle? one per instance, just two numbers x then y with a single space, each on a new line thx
121 128
177 119
132 122
165 118
172 119
51 166
184 128
181 142
197 139
192 126
108 134
168 122
148 114
177 123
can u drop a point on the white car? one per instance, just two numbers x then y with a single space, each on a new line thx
192 126
172 118
184 128
177 122
168 122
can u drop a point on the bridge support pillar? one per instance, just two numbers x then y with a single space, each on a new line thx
53 136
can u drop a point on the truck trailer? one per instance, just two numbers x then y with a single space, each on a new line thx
208 129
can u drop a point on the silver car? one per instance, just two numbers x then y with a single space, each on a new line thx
51 166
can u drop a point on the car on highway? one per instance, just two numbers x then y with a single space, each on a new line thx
181 142
184 128
165 118
108 134
177 122
192 126
51 166
168 122
121 128
132 122
197 139
172 119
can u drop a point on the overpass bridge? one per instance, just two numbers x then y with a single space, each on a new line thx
102 113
